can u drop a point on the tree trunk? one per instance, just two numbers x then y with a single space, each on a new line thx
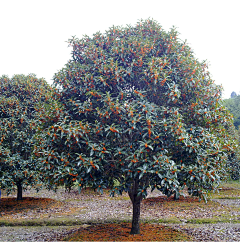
136 217
175 197
136 202
19 191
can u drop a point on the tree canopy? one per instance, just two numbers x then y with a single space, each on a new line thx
20 99
141 111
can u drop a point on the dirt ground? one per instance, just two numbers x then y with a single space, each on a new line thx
60 214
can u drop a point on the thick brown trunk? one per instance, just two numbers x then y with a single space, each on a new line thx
19 191
136 202
136 217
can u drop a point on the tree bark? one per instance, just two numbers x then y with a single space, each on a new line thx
19 191
136 202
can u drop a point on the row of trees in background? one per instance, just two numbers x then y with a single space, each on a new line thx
133 105
233 105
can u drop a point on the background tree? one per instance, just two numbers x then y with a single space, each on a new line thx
233 105
233 94
20 99
142 111
233 164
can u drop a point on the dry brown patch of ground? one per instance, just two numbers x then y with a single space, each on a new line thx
120 232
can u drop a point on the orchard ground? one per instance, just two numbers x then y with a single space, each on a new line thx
70 216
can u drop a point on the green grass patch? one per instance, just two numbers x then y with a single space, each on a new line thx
41 222
213 220
171 220
231 184
225 193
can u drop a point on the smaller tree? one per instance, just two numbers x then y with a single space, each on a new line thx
20 99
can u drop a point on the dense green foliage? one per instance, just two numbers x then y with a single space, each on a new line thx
233 105
20 99
142 110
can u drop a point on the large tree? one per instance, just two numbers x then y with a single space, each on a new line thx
142 112
21 98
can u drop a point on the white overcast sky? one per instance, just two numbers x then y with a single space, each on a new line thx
33 33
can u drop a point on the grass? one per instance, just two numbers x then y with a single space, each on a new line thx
216 220
229 190
41 222
232 184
